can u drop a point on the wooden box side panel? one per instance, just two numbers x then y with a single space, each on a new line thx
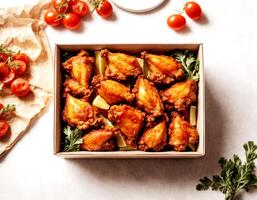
57 100
201 104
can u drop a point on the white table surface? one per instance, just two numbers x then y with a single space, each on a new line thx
229 34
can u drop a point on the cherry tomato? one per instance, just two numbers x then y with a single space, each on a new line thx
22 56
4 70
104 9
80 8
176 22
20 87
4 127
193 10
3 57
9 78
6 75
62 6
52 18
18 66
71 21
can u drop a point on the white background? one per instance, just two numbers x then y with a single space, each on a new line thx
229 34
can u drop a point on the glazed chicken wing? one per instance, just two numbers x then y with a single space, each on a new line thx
121 66
182 133
154 138
128 119
180 95
147 97
113 92
162 69
80 113
99 140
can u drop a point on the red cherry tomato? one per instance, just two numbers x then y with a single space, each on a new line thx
71 21
52 18
6 75
80 8
22 56
4 70
9 79
3 57
193 10
18 66
4 127
20 87
104 9
62 6
176 22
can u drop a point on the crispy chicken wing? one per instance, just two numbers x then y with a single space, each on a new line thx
73 87
80 68
113 92
147 97
121 66
154 138
99 140
162 69
182 133
180 95
128 119
80 113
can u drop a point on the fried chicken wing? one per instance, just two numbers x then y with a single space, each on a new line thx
73 87
154 138
182 133
121 66
99 140
112 91
128 119
180 95
80 113
80 68
147 97
162 69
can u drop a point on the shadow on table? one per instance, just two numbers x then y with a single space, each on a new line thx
167 171
203 20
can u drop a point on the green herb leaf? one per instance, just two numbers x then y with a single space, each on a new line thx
5 50
235 175
73 139
189 62
7 109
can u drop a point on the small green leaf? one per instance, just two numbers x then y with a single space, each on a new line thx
189 62
73 139
205 184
